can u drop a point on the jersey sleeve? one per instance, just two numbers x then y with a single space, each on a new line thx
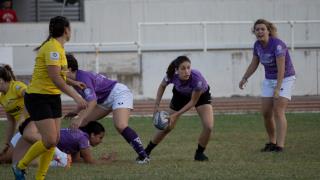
280 49
198 86
89 94
166 80
89 91
53 56
20 88
84 142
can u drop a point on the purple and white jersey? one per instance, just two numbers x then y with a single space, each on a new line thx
72 141
98 86
196 82
267 56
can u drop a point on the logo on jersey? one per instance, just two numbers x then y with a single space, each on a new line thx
54 56
199 84
87 91
18 87
279 48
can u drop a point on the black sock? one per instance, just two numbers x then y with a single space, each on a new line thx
200 149
150 146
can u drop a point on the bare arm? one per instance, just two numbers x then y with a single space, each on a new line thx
10 128
87 157
250 70
161 89
54 74
280 75
81 120
9 133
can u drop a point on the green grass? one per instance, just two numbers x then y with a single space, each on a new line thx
233 152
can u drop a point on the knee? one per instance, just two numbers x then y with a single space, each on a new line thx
28 137
208 129
278 114
50 142
267 114
120 128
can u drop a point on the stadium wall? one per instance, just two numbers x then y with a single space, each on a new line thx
116 21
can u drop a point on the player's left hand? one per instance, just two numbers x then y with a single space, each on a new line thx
109 157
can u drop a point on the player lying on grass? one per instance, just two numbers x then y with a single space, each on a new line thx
75 144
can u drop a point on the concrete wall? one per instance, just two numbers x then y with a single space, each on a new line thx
224 69
116 21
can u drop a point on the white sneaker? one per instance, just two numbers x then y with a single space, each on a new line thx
146 160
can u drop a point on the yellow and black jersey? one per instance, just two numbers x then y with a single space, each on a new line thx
51 53
12 101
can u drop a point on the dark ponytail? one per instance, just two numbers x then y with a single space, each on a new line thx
175 65
57 27
6 73
93 127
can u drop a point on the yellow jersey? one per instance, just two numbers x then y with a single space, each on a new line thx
13 101
51 53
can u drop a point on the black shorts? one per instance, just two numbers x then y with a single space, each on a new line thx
179 100
23 125
43 106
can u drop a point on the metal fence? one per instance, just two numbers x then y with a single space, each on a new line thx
139 46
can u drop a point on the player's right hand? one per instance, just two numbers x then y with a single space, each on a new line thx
242 83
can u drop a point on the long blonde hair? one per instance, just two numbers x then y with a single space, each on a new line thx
270 26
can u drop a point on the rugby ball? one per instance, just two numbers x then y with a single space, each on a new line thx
161 120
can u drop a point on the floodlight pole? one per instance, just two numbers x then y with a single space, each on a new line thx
63 5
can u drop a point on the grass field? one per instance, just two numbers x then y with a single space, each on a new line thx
233 152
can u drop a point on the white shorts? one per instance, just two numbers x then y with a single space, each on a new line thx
119 97
15 139
287 86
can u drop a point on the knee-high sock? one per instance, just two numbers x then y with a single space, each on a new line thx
200 149
133 139
34 151
44 163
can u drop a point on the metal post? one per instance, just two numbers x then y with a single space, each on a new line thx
96 46
63 5
292 35
205 42
139 38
